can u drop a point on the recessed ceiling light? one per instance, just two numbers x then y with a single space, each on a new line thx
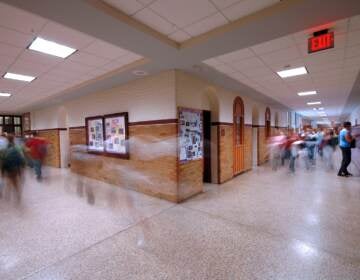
321 108
140 73
18 77
52 48
314 103
5 94
292 72
304 93
314 109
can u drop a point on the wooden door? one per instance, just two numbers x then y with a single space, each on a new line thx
238 132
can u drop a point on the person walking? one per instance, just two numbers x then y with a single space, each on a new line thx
38 150
345 140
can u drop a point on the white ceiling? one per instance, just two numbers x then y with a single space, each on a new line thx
331 72
182 20
17 30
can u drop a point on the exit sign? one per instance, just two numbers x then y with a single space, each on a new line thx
321 42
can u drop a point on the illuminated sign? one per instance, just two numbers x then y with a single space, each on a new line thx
321 42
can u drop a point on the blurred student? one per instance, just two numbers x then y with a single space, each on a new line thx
12 164
345 140
37 151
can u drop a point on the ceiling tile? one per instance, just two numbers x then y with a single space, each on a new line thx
281 65
28 68
9 51
146 2
15 38
354 23
222 4
184 12
353 38
155 21
352 51
247 7
10 85
284 55
74 67
225 69
65 36
236 56
88 59
105 50
257 72
206 24
40 58
273 45
213 62
6 61
247 63
129 7
179 36
20 20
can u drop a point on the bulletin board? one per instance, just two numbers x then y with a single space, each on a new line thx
95 134
190 135
108 135
116 132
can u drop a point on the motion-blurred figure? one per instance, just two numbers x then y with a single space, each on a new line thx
37 152
13 162
275 146
330 142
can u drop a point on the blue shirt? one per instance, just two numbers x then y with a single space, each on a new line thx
342 141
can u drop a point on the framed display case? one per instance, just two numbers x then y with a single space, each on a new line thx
108 135
190 135
26 122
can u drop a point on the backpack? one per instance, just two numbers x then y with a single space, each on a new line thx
12 159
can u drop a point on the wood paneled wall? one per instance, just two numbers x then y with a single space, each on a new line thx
53 157
262 146
151 169
248 141
190 179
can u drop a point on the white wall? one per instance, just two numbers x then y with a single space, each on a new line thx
355 117
45 118
150 98
64 148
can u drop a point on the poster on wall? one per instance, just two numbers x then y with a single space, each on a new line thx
26 122
95 134
116 134
190 135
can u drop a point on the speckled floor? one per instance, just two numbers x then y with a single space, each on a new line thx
261 225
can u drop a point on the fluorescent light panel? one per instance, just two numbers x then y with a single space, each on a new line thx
18 77
5 94
321 108
314 103
52 48
305 93
292 72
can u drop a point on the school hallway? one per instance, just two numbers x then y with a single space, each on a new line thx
263 224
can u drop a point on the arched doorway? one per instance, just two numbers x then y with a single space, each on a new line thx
238 133
267 122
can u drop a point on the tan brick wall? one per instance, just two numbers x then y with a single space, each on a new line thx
248 147
225 152
77 136
190 179
151 169
53 149
262 148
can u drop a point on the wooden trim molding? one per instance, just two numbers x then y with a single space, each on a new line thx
77 127
152 122
221 123
46 129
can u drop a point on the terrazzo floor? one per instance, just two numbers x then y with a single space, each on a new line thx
261 225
